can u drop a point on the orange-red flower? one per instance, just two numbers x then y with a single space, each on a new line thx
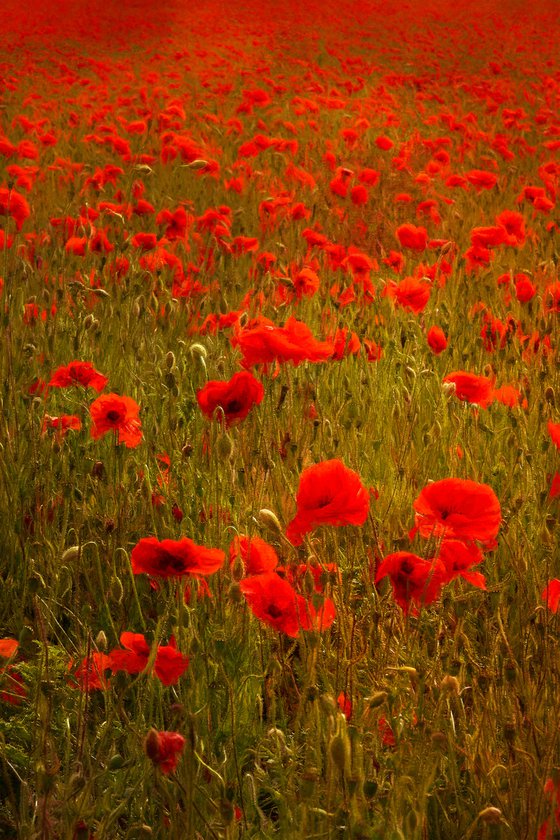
457 508
78 373
264 342
437 340
412 237
257 555
458 558
275 602
412 578
169 664
471 388
410 293
551 594
554 432
15 205
113 413
328 494
174 558
164 749
235 398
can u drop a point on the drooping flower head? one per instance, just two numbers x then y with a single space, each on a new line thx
329 493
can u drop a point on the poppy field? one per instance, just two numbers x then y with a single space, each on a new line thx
280 426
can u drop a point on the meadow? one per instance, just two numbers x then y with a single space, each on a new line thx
280 420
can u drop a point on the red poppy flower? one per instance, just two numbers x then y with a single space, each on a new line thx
90 673
78 373
410 293
235 398
457 508
264 343
554 491
15 205
412 237
169 663
551 594
481 179
437 340
174 558
458 558
328 494
273 600
113 413
164 749
62 424
554 432
412 578
514 225
472 388
12 689
524 289
8 647
257 555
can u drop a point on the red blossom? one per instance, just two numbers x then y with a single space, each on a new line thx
174 558
329 494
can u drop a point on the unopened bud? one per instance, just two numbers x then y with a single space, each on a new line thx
268 519
199 351
450 685
377 699
490 815
70 554
339 749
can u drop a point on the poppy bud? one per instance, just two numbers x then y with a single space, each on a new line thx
339 750
101 642
70 554
116 590
199 351
235 593
224 447
450 685
448 388
170 360
151 744
309 779
490 815
268 519
329 704
377 699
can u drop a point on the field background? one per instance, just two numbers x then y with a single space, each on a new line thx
270 152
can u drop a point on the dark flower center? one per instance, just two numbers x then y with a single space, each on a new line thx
113 415
233 406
